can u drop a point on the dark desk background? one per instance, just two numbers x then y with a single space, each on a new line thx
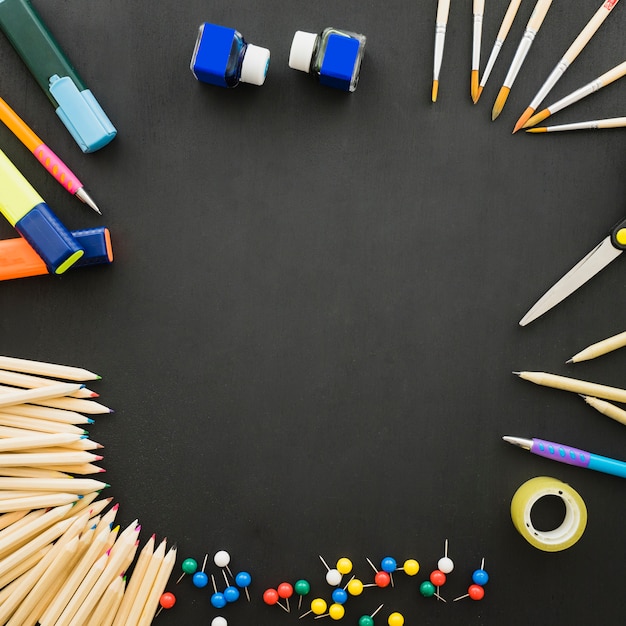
309 329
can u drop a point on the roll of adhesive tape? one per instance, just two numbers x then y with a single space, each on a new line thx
574 522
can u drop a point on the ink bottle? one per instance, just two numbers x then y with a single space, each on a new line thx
333 57
222 57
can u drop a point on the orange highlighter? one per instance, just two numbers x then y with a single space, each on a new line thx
19 260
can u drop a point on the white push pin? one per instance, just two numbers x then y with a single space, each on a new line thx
219 621
222 559
333 576
445 563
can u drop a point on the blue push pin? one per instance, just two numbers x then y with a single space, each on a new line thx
217 598
480 576
200 579
340 595
231 593
388 564
243 580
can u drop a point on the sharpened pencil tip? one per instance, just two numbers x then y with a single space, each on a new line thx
569 361
500 102
517 373
526 115
435 90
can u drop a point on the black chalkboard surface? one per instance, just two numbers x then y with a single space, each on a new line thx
310 326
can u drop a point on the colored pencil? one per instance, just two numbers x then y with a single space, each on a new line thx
614 122
10 396
35 502
27 381
59 485
45 458
441 23
158 587
45 440
24 566
73 404
478 10
532 28
505 27
32 472
8 519
115 605
38 425
48 413
46 369
568 58
595 85
110 598
139 571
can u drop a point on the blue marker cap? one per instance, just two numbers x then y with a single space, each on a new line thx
49 238
342 61
82 114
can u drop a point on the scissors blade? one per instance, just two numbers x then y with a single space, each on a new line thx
586 268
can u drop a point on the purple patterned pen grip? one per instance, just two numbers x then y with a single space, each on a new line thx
57 168
561 453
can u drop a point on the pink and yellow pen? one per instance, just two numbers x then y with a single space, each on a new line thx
44 154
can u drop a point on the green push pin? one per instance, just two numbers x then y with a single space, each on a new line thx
189 566
302 588
368 620
428 590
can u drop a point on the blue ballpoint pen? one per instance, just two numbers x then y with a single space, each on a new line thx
571 456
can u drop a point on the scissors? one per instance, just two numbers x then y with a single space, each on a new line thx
605 252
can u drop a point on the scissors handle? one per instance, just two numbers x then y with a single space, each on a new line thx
618 235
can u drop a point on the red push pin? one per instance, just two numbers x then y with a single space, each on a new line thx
285 591
271 597
382 579
167 601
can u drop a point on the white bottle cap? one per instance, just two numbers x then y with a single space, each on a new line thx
302 48
254 65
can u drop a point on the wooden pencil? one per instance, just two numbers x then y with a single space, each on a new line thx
34 502
10 396
582 387
45 440
110 597
48 413
79 405
28 381
48 459
63 485
158 587
143 592
24 566
119 596
46 369
139 571
8 519
38 425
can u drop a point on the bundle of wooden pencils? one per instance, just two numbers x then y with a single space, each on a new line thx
62 560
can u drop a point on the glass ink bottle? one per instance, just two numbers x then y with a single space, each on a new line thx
333 57
222 57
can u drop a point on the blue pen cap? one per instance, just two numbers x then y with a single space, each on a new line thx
82 114
342 61
49 238
97 245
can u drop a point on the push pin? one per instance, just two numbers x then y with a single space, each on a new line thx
368 620
219 621
395 619
333 576
410 567
355 587
200 579
381 578
388 564
271 597
217 597
445 563
335 612
428 590
222 559
167 601
302 588
479 578
243 580
285 591
344 565
318 607
189 566
438 578
340 595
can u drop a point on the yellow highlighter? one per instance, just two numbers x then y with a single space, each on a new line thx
32 218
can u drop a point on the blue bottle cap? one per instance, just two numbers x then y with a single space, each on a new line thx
342 61
209 61
81 114
49 238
